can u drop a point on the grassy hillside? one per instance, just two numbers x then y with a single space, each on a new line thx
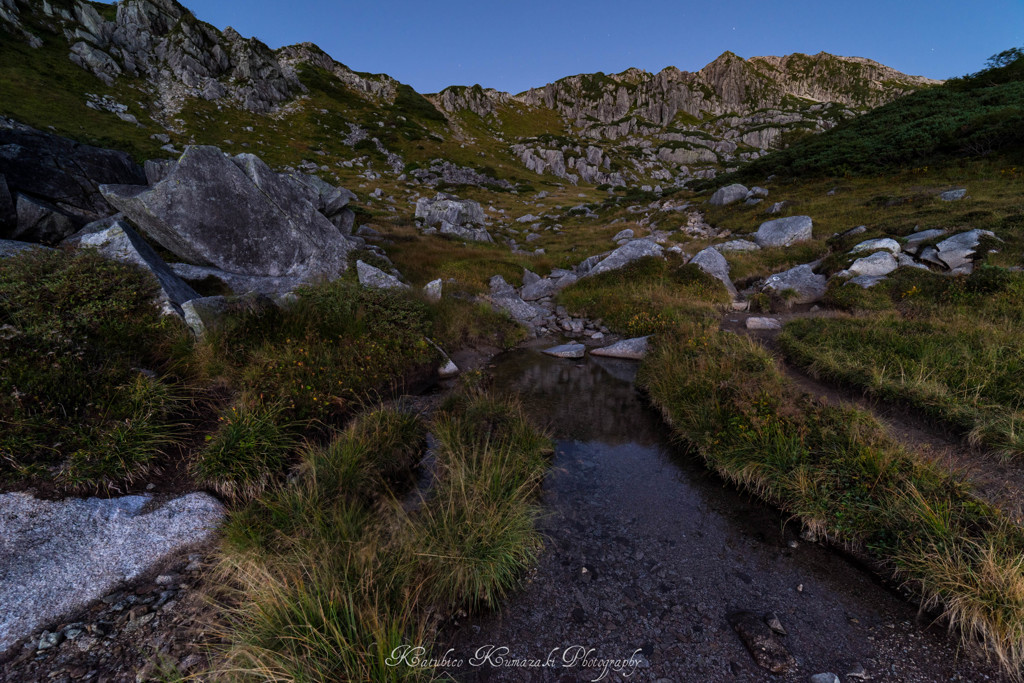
979 115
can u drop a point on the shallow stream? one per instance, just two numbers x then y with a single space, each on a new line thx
647 554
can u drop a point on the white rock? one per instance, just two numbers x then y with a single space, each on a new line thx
879 263
886 243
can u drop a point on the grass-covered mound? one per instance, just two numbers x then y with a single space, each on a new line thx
330 573
648 296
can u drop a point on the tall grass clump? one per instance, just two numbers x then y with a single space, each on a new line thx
332 570
838 471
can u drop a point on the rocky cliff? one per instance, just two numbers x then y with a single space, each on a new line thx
152 64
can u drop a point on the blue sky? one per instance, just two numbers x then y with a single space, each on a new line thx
517 45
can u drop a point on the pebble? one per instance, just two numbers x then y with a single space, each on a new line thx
825 678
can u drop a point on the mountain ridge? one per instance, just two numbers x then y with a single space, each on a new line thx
172 74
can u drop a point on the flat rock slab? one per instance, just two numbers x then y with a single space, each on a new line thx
58 556
631 349
566 351
763 324
953 195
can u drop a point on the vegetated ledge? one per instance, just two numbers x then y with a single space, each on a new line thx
846 480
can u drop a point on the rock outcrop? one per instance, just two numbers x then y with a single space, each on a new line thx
49 185
237 215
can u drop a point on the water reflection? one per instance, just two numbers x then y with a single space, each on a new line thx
588 400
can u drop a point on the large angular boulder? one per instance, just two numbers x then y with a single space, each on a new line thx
59 172
714 264
729 194
806 285
120 243
782 232
236 215
58 556
623 256
450 209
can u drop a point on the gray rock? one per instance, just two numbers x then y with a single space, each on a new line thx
753 201
528 218
13 247
758 191
238 284
202 314
763 324
633 349
432 290
907 261
121 243
58 556
729 194
40 221
529 277
624 255
956 251
450 209
370 276
913 242
782 232
777 207
367 231
714 264
520 311
866 281
737 245
860 229
566 351
886 243
626 234
807 285
499 287
953 195
235 215
465 232
539 289
931 255
879 263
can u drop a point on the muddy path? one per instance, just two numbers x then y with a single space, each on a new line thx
996 480
648 555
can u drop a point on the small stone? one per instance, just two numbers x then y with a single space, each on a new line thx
825 678
775 624
48 640
165 579
763 324
953 195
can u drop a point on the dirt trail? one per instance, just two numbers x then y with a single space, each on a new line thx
995 480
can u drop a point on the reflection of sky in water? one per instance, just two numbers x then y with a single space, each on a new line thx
589 400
